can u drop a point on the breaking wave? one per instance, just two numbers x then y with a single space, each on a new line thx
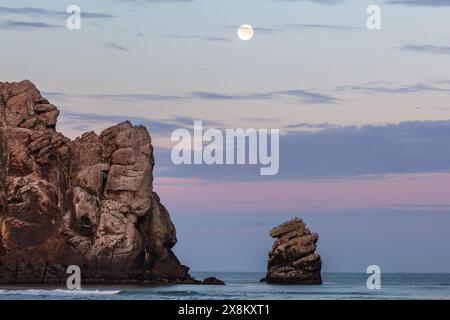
57 292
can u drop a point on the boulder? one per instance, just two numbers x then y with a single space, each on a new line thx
213 281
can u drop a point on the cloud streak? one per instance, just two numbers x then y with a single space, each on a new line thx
299 26
321 26
393 88
323 2
427 49
197 37
295 95
115 46
26 26
328 96
417 3
143 2
40 12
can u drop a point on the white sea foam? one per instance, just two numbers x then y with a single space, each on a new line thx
58 292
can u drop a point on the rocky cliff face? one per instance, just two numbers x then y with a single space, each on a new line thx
292 259
87 202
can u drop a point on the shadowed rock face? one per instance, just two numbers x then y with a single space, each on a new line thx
293 259
87 202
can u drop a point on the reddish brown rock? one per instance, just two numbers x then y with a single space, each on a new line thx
293 258
87 202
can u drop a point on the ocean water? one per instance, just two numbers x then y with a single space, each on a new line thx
247 286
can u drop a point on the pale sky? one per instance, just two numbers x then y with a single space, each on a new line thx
364 115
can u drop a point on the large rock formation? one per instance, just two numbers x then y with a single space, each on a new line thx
292 259
87 202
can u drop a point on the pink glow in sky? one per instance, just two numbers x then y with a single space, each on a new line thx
399 191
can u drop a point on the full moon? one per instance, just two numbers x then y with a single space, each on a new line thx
245 32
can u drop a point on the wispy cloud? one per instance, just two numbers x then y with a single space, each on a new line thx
307 96
130 97
395 88
299 26
434 49
141 2
203 95
189 121
192 37
324 2
115 46
55 95
88 121
25 26
311 126
217 39
182 36
428 3
296 95
40 12
321 26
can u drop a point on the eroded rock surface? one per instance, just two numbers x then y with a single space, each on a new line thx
293 258
87 202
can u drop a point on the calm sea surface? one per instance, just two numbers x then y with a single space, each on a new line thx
247 286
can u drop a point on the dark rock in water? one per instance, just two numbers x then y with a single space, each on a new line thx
293 259
263 280
213 281
87 202
187 281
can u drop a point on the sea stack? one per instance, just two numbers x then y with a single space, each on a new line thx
293 258
88 202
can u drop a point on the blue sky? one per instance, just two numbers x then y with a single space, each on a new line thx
364 115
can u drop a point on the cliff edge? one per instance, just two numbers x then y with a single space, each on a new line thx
88 202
